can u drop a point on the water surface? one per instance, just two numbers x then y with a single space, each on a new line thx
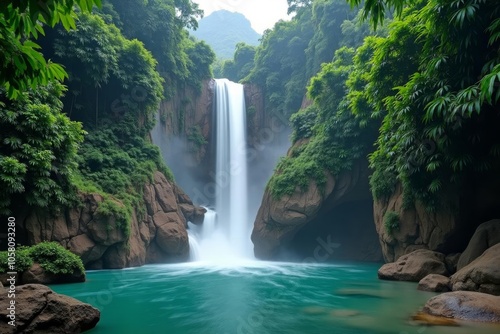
253 298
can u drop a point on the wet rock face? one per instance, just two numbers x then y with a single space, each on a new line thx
38 309
414 266
482 274
159 235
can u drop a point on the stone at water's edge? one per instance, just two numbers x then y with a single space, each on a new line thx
486 236
414 266
41 310
465 306
435 283
482 274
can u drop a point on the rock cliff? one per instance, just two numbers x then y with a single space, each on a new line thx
334 222
448 229
156 235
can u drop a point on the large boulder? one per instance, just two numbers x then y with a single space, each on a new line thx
486 236
464 306
482 274
414 266
38 309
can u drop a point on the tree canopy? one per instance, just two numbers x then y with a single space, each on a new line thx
23 65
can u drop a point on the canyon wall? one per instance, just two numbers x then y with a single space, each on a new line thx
157 235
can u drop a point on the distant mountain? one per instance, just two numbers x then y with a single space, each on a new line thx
222 30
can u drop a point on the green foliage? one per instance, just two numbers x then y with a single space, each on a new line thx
303 122
291 53
391 222
123 70
160 25
51 256
196 137
37 152
22 64
55 259
442 124
121 213
241 64
23 260
336 136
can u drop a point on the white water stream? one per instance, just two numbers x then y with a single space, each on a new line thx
225 233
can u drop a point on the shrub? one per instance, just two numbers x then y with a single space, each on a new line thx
51 256
23 260
55 259
391 222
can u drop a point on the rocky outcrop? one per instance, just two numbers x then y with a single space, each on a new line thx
414 266
157 235
278 220
464 306
449 228
38 309
36 274
319 224
435 283
482 274
418 228
486 236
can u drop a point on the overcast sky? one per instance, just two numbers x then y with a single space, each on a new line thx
261 13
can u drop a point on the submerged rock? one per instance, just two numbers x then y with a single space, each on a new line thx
363 293
482 274
414 266
38 309
435 283
432 320
465 306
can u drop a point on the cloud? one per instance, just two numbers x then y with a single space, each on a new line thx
263 14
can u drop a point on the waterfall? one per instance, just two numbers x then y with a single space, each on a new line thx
231 164
225 233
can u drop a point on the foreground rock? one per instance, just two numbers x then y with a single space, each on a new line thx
482 274
41 310
414 266
434 283
464 306
486 236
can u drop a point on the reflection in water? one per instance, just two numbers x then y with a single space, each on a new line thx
254 298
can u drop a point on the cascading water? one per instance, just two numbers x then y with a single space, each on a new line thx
225 232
